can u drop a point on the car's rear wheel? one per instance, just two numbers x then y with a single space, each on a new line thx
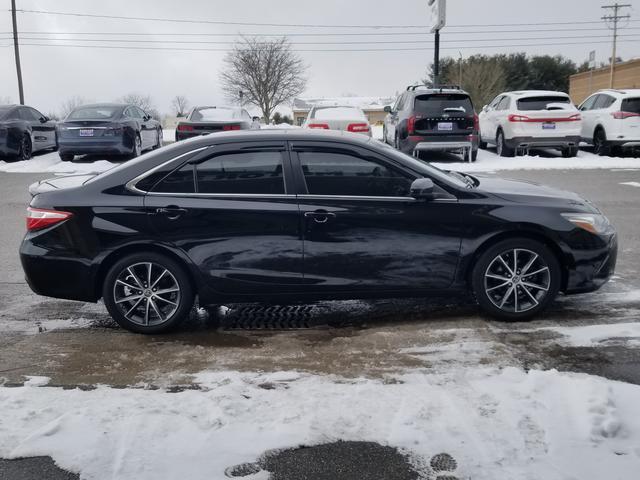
570 152
158 139
25 151
600 143
66 157
148 293
516 279
137 147
502 148
474 155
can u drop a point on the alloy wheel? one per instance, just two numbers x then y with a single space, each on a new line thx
25 148
499 144
147 294
517 280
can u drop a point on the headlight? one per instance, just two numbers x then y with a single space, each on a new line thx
591 222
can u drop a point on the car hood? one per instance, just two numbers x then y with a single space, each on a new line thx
60 182
523 191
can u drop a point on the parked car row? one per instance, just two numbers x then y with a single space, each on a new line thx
24 130
209 119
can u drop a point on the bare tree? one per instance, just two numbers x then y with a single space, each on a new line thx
180 105
482 79
71 104
143 101
264 73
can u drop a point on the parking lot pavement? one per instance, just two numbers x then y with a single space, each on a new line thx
77 344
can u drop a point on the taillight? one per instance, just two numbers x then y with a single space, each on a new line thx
358 127
411 125
226 128
185 128
517 118
38 218
323 126
476 122
574 118
623 115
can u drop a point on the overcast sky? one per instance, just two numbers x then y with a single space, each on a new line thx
53 74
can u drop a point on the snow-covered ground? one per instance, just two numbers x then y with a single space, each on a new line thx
498 424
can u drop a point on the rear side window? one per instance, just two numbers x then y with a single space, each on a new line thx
604 101
242 173
439 103
631 105
540 103
178 181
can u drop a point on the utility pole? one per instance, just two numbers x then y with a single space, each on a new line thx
614 19
436 59
17 50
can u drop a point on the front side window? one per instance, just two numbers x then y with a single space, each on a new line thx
242 173
504 104
344 174
495 101
589 103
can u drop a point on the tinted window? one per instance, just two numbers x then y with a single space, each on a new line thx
28 115
139 112
588 104
604 101
36 114
94 113
631 105
245 172
438 103
179 181
541 102
214 114
332 173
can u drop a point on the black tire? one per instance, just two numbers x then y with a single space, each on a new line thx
384 134
25 151
178 303
482 145
570 152
600 144
66 157
396 142
137 147
519 284
55 147
474 155
502 148
158 139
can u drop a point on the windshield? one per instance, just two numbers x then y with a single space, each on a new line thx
215 114
426 168
4 111
541 103
439 103
95 113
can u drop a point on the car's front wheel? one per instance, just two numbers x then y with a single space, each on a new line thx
148 293
516 279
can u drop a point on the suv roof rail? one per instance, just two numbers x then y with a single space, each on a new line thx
434 87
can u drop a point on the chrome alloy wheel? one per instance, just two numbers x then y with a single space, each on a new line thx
147 293
517 280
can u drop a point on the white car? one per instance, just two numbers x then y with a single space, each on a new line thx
522 120
345 118
611 120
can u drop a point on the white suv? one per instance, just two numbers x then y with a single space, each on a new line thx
522 120
611 120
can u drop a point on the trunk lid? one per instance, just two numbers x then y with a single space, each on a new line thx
444 114
60 182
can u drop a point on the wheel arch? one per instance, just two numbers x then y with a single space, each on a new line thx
530 234
114 256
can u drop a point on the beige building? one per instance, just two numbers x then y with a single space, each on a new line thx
373 107
581 85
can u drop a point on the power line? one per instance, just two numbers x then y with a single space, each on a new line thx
614 18
221 22
359 42
124 47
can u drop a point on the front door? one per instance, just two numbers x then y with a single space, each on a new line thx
363 231
232 213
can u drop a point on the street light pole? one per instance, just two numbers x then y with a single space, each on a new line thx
436 60
17 50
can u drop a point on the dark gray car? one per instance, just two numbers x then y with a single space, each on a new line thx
108 129
24 130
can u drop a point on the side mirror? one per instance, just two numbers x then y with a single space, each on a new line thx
422 189
387 109
485 108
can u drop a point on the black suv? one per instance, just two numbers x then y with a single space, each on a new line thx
428 118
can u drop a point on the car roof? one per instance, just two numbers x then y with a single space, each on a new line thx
226 107
280 134
105 104
535 93
624 92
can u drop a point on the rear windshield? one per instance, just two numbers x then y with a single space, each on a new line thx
94 113
541 103
631 105
214 114
338 113
440 103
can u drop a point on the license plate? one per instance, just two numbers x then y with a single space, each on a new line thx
448 126
86 132
549 126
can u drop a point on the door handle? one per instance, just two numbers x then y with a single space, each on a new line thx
320 216
171 212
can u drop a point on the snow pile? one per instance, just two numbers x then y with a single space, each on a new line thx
597 335
497 424
51 162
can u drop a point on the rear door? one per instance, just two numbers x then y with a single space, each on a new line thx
363 231
588 117
46 130
443 114
487 121
232 211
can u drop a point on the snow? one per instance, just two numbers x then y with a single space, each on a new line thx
631 184
597 335
51 162
168 135
496 423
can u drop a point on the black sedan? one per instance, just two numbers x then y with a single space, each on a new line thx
206 120
280 215
24 130
108 129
